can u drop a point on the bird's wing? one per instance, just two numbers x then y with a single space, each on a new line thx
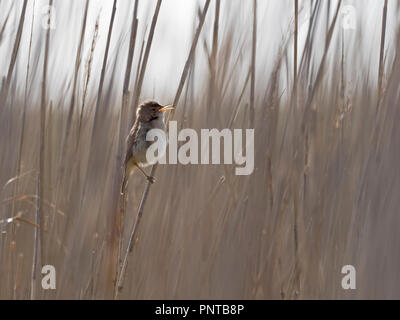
130 141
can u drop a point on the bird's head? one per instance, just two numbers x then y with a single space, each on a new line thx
151 110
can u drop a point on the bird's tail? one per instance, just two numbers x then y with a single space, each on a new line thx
127 173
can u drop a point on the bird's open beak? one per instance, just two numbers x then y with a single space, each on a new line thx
166 108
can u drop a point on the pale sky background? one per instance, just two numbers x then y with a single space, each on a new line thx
173 35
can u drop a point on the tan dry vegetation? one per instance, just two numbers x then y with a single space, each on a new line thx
324 193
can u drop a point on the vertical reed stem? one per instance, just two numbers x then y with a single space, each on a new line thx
382 51
253 64
153 170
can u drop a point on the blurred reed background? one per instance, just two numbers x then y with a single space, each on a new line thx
323 100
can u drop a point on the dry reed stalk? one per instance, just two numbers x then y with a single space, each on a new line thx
72 103
87 79
125 98
215 36
5 86
153 170
40 183
93 144
230 76
136 96
65 138
297 271
295 288
236 108
14 52
296 25
328 12
132 109
36 246
22 134
212 100
11 265
102 76
118 220
342 83
18 277
253 65
318 78
293 97
92 256
18 217
189 59
5 24
235 234
139 64
224 59
305 63
382 53
143 65
27 197
374 137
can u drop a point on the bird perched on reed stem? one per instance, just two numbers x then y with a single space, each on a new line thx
149 115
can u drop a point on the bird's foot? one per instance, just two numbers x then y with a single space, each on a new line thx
151 179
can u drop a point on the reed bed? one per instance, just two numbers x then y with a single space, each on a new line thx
323 194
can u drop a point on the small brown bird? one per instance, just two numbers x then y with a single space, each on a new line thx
149 115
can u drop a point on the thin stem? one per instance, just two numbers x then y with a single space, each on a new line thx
382 50
253 64
146 54
153 170
119 215
15 50
296 22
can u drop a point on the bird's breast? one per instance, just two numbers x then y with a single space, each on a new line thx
154 140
